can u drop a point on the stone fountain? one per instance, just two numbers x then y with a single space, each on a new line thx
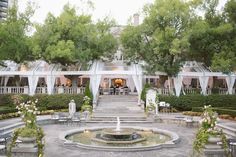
118 135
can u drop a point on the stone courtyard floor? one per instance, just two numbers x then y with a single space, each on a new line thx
54 147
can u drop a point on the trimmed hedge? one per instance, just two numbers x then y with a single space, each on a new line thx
220 111
187 102
45 102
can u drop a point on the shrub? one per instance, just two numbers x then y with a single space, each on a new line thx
187 102
88 93
144 92
45 102
220 111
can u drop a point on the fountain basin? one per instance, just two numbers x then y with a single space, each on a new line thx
154 139
122 136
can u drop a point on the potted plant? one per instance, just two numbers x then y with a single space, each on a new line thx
208 136
87 104
30 135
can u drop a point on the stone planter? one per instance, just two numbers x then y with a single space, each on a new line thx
213 147
28 142
214 139
25 147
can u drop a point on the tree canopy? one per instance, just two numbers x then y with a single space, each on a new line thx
173 32
70 38
15 45
162 38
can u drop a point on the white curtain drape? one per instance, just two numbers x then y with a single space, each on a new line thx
50 80
230 80
95 81
130 84
203 83
33 81
138 84
6 80
178 85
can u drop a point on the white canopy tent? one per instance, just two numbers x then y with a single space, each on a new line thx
98 70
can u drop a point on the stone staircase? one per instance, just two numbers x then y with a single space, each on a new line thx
124 106
228 128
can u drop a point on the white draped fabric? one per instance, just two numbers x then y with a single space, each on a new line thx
203 83
230 80
5 81
95 81
33 81
50 80
130 84
138 84
178 85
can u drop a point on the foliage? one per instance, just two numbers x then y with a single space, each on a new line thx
144 92
212 38
162 38
70 38
88 93
86 105
187 102
28 112
231 111
207 129
15 45
27 132
45 102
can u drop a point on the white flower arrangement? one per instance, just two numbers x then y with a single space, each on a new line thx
28 112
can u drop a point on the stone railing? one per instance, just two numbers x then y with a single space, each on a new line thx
69 90
14 90
41 90
223 91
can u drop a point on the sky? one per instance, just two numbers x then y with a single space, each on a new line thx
120 10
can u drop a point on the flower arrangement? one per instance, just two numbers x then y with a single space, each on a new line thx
86 105
28 112
208 129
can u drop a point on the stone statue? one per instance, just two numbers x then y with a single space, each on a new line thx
72 108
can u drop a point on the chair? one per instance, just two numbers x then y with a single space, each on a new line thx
117 91
76 118
63 118
3 142
162 105
189 121
126 91
55 117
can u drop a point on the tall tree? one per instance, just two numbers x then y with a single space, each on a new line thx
14 43
70 38
212 38
162 38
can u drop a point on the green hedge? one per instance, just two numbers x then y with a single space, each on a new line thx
187 102
45 102
229 111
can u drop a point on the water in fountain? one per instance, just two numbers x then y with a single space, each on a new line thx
118 124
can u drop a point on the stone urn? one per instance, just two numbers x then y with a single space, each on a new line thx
25 147
214 146
28 142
